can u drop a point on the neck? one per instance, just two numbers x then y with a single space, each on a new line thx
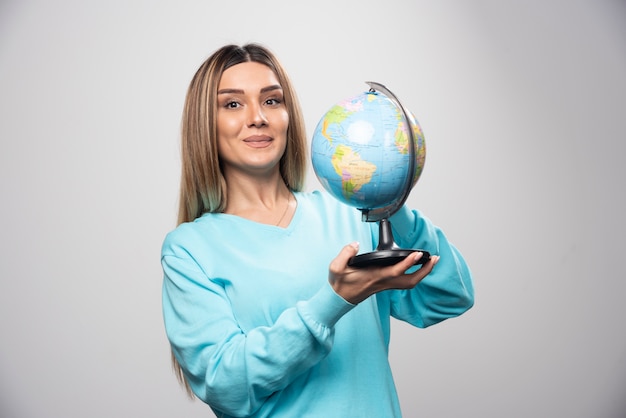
262 199
272 206
253 191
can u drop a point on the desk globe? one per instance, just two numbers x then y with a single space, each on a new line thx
368 152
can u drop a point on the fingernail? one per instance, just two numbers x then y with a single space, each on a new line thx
355 245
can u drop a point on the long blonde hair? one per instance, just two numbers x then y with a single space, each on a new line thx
203 187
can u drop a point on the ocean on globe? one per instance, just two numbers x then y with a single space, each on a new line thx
360 151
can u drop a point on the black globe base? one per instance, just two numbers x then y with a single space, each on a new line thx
387 253
384 258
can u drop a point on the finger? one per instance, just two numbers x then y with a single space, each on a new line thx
427 267
403 265
341 261
433 260
408 281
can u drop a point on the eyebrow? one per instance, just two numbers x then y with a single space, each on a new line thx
239 91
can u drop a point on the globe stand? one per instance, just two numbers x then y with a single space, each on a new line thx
387 252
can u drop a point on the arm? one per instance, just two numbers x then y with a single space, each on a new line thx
441 288
447 291
233 371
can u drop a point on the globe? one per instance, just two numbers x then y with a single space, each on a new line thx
360 151
368 151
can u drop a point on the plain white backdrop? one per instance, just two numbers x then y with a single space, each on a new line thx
522 105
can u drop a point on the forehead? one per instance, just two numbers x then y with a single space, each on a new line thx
248 76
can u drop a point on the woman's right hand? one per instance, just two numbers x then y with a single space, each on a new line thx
357 284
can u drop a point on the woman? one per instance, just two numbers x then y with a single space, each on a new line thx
264 316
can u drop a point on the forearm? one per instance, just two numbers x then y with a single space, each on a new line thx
236 371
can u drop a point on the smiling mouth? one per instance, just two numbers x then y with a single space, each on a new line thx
258 142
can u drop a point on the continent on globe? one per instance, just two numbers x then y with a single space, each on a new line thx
402 139
353 170
335 116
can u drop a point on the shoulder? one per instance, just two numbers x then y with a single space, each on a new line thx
188 235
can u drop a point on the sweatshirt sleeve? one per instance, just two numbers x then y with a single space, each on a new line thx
447 291
233 371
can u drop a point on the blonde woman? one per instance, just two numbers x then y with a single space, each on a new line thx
264 315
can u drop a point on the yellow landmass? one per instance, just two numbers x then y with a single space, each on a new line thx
354 172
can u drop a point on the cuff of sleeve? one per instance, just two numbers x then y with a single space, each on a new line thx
326 307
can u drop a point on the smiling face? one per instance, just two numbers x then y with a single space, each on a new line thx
252 120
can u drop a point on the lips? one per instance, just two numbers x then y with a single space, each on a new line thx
258 141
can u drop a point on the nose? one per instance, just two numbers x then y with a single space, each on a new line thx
256 116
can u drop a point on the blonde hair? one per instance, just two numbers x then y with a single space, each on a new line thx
203 187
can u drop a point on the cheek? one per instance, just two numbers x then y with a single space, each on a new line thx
282 120
227 129
227 126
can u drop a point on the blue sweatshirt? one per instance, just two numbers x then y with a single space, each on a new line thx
259 331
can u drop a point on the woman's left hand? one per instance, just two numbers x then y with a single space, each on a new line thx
357 284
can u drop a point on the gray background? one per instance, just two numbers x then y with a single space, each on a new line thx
522 105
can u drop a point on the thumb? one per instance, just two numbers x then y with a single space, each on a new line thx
346 253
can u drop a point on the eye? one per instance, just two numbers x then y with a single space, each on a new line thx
273 101
231 104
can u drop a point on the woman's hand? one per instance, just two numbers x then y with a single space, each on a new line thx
357 284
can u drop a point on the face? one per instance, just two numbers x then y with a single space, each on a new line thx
252 120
